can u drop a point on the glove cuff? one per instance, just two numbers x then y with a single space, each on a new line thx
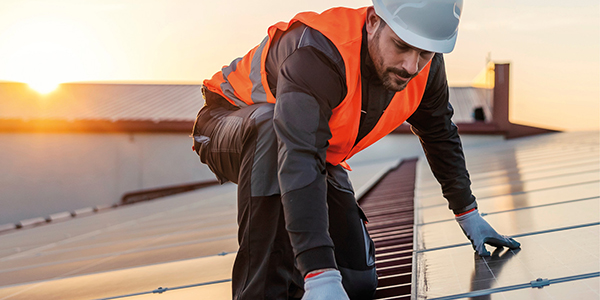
315 259
322 278
317 273
474 213
465 208
466 212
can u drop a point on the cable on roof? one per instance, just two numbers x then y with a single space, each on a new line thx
538 283
161 290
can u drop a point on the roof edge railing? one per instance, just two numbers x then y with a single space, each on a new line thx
150 194
126 199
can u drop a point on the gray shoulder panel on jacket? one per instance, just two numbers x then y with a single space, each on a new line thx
313 38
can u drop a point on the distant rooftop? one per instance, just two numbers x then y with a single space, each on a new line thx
465 100
108 102
111 102
76 102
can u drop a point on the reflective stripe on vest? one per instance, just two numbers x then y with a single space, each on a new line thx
244 81
241 82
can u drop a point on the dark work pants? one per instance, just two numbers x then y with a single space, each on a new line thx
241 146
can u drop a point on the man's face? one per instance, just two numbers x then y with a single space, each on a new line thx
396 62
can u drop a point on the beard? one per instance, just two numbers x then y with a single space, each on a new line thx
387 75
390 80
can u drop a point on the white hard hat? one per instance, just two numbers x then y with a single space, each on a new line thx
430 25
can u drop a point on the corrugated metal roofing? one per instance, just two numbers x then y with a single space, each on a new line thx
153 102
389 208
465 100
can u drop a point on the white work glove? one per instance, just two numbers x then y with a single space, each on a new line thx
324 286
479 232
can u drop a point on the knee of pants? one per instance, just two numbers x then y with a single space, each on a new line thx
263 118
263 176
359 284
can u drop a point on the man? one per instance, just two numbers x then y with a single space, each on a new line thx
282 121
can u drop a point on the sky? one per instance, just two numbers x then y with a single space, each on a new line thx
553 46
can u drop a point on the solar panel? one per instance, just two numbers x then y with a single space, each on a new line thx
209 275
458 270
545 192
135 248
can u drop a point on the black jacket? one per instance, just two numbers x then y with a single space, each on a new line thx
307 77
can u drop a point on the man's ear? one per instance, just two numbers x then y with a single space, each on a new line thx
372 22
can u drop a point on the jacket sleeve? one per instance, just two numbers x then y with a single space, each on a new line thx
439 138
308 86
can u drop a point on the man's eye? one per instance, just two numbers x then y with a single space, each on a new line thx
401 47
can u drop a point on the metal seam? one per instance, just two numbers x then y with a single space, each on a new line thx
161 290
520 193
516 209
516 287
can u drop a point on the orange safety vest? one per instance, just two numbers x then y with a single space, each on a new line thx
244 82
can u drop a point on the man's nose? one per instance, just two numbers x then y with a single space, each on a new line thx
411 62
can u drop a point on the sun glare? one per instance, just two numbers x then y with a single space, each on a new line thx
45 65
43 87
46 52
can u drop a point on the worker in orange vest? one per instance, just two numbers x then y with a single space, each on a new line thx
282 120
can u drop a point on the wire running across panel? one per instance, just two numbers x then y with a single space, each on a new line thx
545 192
580 289
515 222
521 201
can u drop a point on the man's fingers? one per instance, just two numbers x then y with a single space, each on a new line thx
513 244
479 232
482 251
502 241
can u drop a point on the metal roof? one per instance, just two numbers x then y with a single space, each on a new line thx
465 100
111 102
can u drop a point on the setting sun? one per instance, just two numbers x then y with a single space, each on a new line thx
44 65
47 51
43 87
